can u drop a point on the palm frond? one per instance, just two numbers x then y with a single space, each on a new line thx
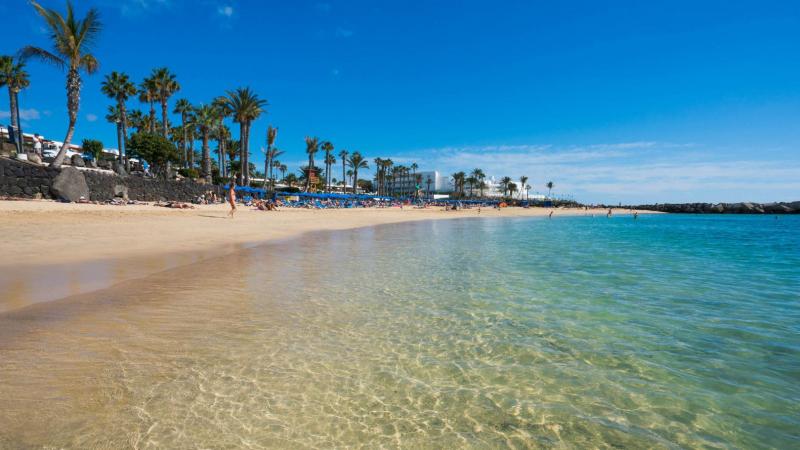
42 54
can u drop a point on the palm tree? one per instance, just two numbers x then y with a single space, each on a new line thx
147 94
349 180
14 76
283 169
512 187
205 119
550 186
273 155
72 39
184 108
523 181
504 182
429 181
471 181
272 133
355 162
221 133
115 116
312 146
343 157
458 182
327 147
165 85
245 107
479 175
414 168
119 87
330 160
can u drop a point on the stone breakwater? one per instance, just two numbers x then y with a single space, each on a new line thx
29 180
725 208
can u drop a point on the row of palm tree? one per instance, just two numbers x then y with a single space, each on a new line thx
73 39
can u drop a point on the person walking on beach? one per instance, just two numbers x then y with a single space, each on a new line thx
551 215
232 196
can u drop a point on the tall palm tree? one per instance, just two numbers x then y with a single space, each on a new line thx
119 87
550 186
330 160
471 181
115 116
222 134
479 175
14 76
272 134
205 118
184 108
273 155
312 146
504 182
512 187
148 93
283 169
349 180
166 85
343 158
72 39
523 181
355 162
414 168
245 107
327 147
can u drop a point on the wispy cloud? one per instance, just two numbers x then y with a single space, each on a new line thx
225 11
91 117
133 8
637 172
24 114
344 32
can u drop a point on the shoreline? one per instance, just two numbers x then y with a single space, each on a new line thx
57 250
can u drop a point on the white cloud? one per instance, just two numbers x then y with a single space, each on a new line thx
226 10
635 172
91 117
343 32
24 114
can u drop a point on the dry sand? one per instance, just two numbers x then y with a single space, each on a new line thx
82 247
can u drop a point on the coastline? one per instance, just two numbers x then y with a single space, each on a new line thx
57 250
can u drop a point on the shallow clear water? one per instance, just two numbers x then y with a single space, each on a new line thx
665 332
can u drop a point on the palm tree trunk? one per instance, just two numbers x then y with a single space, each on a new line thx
266 167
119 140
344 177
12 100
164 122
73 102
206 158
15 120
191 153
123 119
152 127
183 144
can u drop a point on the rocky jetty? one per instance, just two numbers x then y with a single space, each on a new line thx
725 208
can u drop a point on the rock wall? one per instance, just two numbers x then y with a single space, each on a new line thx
725 208
27 180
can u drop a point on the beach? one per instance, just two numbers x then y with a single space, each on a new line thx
81 247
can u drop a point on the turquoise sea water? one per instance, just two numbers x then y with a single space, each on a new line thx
574 332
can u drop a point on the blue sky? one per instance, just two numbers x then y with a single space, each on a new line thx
627 101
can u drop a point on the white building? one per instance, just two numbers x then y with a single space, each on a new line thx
429 181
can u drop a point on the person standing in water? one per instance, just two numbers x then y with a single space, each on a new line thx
551 215
232 196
